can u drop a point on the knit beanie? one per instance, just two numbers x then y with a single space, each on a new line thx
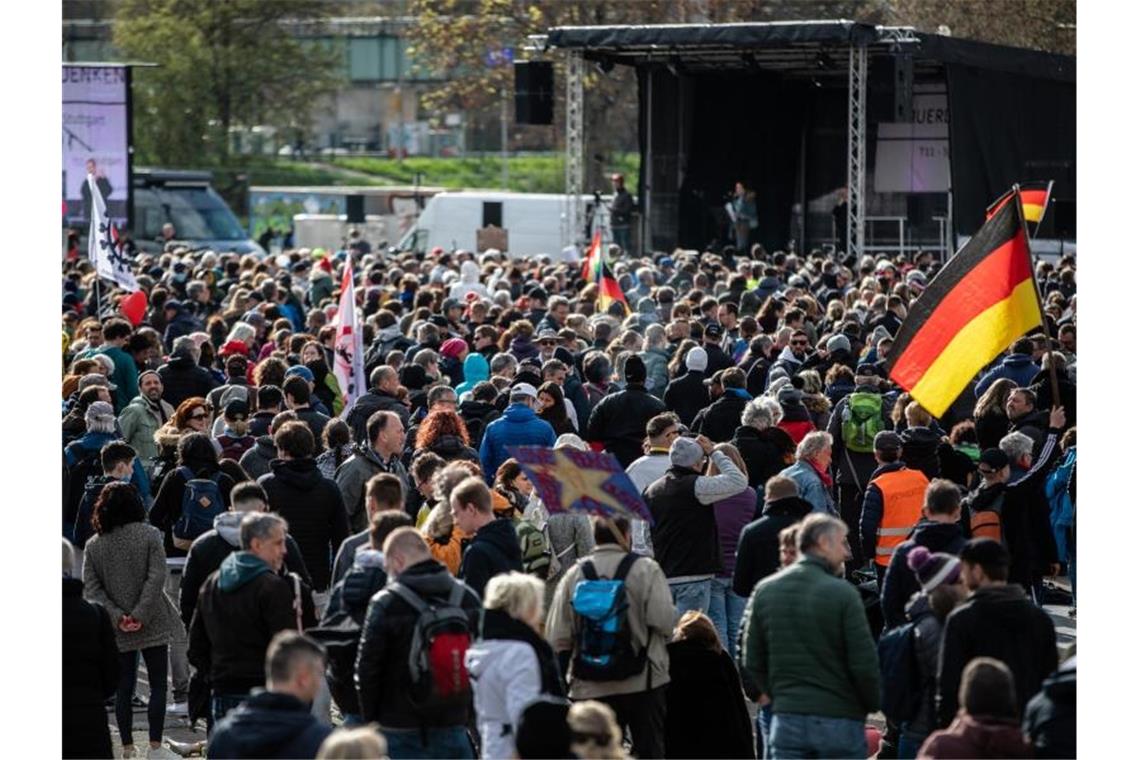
685 452
933 569
838 343
697 360
635 369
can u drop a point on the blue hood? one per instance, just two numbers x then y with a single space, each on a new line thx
240 568
519 413
475 370
1018 361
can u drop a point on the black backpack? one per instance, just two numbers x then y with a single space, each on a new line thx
88 467
436 659
900 685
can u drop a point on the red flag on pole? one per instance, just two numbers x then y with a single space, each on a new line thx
348 366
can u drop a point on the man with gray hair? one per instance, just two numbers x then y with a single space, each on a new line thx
815 663
504 365
241 606
763 446
181 376
813 461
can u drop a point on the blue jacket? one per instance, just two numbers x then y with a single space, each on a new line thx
812 489
519 426
475 370
91 442
1016 367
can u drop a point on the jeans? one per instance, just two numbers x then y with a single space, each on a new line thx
691 596
621 236
155 659
725 609
179 665
795 736
908 748
763 731
441 742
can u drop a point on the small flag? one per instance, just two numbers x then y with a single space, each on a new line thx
569 480
609 291
104 246
348 366
590 267
982 300
1034 201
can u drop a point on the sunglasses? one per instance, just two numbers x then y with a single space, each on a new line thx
199 416
799 342
548 343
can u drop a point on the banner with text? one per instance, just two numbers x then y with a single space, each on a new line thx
95 141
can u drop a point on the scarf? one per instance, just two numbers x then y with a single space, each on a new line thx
499 625
823 476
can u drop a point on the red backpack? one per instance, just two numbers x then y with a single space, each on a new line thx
440 639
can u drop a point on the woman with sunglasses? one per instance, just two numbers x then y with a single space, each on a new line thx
191 416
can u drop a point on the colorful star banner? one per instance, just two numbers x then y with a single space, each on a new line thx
569 480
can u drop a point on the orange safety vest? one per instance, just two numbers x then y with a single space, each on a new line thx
903 493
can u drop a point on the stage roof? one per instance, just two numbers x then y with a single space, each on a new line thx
794 48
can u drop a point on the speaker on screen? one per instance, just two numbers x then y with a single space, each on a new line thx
534 92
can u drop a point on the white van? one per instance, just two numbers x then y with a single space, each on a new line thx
533 221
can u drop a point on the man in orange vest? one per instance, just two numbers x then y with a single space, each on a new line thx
892 505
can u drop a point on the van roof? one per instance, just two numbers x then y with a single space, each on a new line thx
504 195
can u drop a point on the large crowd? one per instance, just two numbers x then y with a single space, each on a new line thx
829 570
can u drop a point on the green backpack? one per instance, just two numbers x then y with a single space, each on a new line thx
862 420
535 547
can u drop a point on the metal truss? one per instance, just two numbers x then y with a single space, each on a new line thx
856 147
573 218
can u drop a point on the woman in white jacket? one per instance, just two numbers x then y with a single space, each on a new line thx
511 665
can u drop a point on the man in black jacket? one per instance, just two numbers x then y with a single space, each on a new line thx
269 401
181 376
939 531
758 553
213 546
383 679
494 546
619 419
276 721
717 358
240 607
383 495
381 397
688 394
996 620
765 448
309 501
722 418
299 397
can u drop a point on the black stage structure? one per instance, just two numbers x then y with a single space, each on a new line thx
798 110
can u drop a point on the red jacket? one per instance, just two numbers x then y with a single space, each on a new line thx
797 429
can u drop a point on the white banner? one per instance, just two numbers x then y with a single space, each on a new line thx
104 247
348 364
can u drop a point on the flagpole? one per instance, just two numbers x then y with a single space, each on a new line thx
1044 209
1053 384
98 307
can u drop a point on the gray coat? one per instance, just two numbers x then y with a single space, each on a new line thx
352 479
125 571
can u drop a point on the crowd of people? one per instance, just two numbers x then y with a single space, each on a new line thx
318 575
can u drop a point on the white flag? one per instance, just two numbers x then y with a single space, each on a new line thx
348 364
104 247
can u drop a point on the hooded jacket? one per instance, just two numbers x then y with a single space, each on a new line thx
518 426
468 282
758 551
1000 622
765 452
494 549
722 418
383 681
348 603
687 395
314 509
475 370
1051 716
182 378
920 450
899 583
1016 367
270 725
212 547
510 667
853 468
927 635
255 461
241 606
618 422
977 736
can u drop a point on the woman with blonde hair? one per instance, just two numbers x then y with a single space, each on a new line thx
361 743
512 664
732 515
704 699
990 420
594 731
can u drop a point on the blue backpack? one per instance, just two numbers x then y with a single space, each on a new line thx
201 503
604 646
900 689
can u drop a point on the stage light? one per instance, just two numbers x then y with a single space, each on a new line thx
823 61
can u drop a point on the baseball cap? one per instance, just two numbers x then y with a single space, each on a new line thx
300 371
716 379
888 440
524 389
94 378
236 410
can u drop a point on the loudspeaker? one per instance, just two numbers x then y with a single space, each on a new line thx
354 209
534 92
492 213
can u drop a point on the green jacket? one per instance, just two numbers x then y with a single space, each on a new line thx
808 646
139 422
125 377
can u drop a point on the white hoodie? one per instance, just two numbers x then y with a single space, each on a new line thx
468 282
505 678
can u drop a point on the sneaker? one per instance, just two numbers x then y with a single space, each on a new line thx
187 749
128 751
177 708
159 752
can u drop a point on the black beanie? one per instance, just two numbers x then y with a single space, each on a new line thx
635 370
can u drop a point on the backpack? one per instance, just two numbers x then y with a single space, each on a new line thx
603 649
900 690
986 522
862 420
440 639
201 503
79 474
536 552
83 529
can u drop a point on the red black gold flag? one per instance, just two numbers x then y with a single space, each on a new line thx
608 290
1034 201
983 299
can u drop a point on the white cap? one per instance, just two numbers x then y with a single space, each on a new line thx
697 359
524 389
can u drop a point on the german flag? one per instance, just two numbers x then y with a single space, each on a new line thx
1034 201
608 289
982 300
